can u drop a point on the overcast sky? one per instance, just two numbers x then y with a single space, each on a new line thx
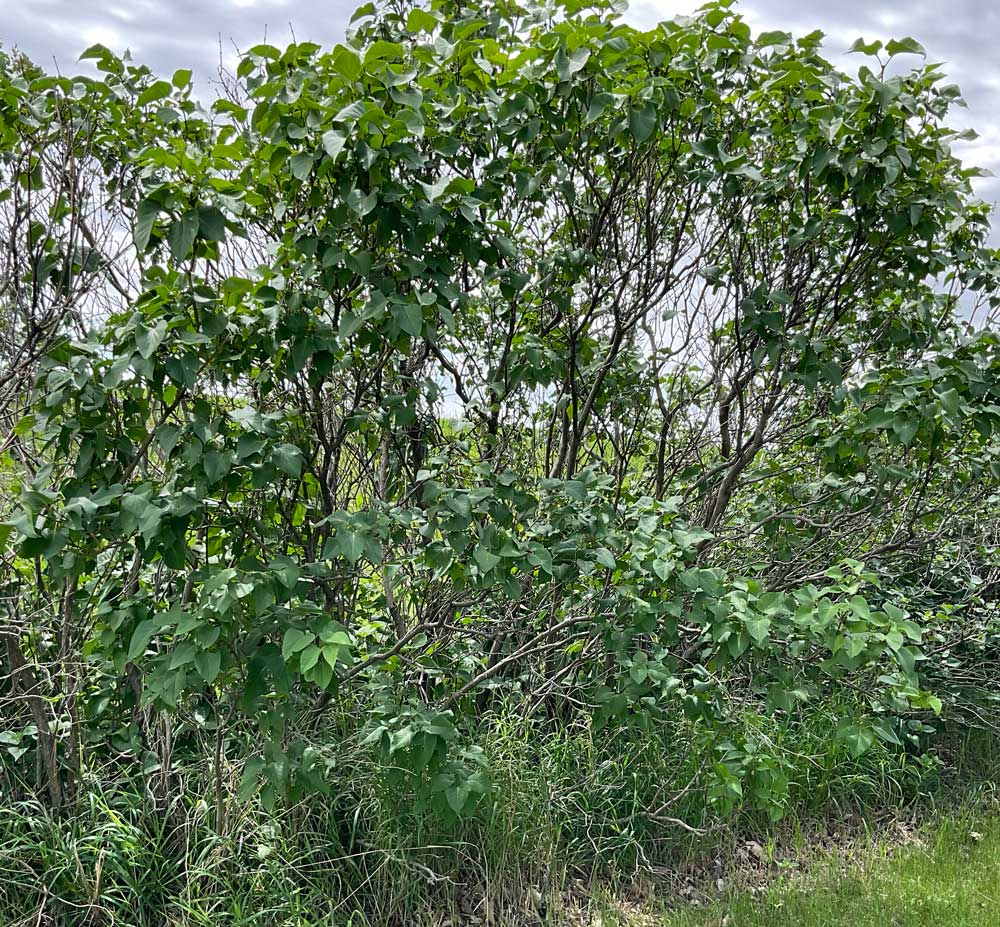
169 34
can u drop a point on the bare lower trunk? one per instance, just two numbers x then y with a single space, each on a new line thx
24 680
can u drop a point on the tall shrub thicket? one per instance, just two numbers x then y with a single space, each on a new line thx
502 357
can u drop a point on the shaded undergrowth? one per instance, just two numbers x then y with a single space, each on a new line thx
569 811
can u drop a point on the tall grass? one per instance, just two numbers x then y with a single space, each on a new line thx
569 807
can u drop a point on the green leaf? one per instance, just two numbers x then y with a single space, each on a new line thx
208 663
894 640
301 165
294 641
96 51
951 400
604 557
145 216
346 62
155 91
265 51
568 65
859 605
706 147
182 235
140 512
599 103
367 9
331 653
333 142
774 38
322 674
663 568
758 629
216 465
905 429
434 190
409 318
349 544
288 459
642 121
183 654
247 446
166 437
187 621
147 340
25 425
362 203
485 558
248 418
457 795
906 46
420 20
308 658
141 637
381 49
335 634
181 78
866 48
211 223
286 570
906 657
351 113
252 770
184 370
858 739
883 729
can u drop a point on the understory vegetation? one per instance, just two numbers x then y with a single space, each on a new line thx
504 454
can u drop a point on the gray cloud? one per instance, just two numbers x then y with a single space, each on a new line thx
961 35
170 34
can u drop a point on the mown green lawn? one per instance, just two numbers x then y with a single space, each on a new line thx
950 879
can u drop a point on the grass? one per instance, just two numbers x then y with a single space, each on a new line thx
949 877
566 817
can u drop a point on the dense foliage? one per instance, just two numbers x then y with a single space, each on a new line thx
502 361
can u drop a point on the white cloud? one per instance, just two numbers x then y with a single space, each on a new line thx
94 35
